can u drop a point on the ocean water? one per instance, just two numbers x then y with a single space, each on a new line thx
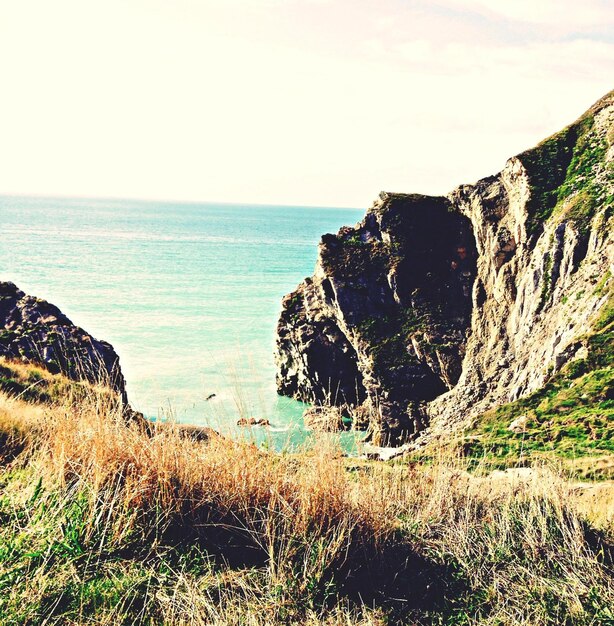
188 294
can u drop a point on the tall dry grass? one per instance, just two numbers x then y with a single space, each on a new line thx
220 532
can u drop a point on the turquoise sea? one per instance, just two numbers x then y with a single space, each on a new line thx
188 294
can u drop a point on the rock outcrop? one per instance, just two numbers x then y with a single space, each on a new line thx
35 331
327 419
432 310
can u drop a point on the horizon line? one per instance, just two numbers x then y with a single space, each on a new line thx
175 201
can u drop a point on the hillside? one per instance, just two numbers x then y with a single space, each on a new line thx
103 521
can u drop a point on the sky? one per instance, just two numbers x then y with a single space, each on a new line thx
306 102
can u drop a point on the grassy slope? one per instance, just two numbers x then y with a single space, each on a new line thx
101 523
567 173
571 419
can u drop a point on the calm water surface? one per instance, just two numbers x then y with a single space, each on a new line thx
188 294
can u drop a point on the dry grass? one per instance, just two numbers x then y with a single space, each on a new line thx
103 523
19 423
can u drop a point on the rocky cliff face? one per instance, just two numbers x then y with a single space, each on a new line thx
434 309
35 331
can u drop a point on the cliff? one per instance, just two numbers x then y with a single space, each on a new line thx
433 310
34 331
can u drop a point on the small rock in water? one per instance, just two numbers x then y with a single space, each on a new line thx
252 421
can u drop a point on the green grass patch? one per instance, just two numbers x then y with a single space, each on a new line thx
572 416
562 172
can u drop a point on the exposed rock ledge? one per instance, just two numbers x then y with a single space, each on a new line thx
35 331
431 310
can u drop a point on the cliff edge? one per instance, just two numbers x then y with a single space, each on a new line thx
34 331
433 310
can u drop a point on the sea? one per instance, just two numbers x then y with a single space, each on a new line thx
188 293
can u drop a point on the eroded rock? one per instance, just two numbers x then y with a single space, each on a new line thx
432 310
34 331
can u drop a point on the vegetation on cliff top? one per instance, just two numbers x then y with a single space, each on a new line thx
567 174
102 523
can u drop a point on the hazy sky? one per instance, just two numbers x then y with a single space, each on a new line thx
321 102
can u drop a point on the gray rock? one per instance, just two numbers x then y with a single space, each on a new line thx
519 425
328 419
34 331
